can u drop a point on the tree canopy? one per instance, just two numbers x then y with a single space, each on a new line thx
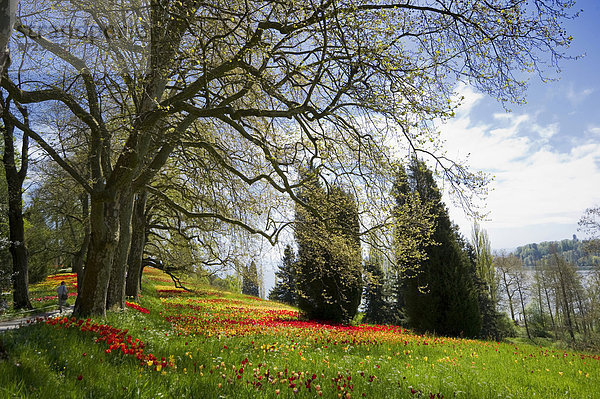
261 87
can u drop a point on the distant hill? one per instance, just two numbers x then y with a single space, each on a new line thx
571 250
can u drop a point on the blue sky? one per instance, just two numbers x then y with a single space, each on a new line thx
545 155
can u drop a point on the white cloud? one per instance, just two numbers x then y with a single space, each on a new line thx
546 132
469 96
576 97
593 130
535 184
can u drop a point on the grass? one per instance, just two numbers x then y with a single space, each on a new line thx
42 296
213 344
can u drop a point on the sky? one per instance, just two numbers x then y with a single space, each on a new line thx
544 155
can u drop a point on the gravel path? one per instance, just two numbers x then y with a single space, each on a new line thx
23 321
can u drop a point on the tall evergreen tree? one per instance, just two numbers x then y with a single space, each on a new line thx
413 229
285 287
378 308
250 280
329 279
441 297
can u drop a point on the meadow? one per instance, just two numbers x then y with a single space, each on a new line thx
171 343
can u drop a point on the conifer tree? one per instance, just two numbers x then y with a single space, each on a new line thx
329 279
285 287
413 229
250 280
441 296
378 309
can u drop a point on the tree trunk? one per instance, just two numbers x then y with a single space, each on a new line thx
509 297
18 250
104 235
567 310
541 307
79 257
520 290
14 181
136 251
547 295
582 312
116 288
8 9
561 272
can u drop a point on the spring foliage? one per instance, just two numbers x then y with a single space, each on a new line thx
277 82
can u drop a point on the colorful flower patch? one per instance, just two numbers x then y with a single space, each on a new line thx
137 307
115 340
288 355
52 297
52 282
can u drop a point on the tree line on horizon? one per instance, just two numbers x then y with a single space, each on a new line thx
575 251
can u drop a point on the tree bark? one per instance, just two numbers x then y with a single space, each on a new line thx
18 250
582 312
116 288
567 309
564 292
136 251
104 235
79 257
522 300
547 295
539 298
14 180
507 287
8 10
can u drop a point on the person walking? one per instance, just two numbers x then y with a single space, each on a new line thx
62 295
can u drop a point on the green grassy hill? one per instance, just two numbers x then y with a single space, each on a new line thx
214 344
